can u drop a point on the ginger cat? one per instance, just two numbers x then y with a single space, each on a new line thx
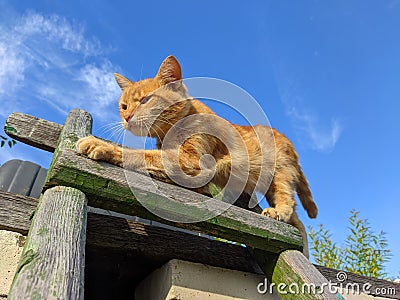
153 107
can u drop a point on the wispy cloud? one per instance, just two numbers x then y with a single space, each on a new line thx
56 29
50 59
320 135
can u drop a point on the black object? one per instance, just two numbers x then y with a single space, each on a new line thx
22 177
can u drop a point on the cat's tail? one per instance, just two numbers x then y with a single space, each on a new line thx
305 196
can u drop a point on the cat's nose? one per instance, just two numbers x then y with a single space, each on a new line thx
127 118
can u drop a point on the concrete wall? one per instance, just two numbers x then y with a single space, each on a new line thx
184 280
11 245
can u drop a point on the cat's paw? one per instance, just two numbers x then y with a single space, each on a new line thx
271 212
95 148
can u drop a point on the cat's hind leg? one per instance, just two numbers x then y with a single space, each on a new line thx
280 196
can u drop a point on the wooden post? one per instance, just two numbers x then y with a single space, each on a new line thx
292 276
77 125
53 259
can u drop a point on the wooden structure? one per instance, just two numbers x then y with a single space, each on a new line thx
53 262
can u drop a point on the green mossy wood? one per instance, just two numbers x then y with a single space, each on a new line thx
53 259
106 187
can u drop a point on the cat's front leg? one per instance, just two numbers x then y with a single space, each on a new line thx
98 149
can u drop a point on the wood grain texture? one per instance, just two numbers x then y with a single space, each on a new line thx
106 187
52 263
77 125
108 233
16 212
33 131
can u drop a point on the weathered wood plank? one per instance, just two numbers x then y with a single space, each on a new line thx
106 187
77 125
52 263
33 131
112 234
16 212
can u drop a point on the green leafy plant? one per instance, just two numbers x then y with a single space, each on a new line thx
364 252
4 140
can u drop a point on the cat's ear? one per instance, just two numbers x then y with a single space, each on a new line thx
170 70
122 81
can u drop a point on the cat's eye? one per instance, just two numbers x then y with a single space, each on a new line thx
124 106
145 100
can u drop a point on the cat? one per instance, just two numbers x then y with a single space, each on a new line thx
157 106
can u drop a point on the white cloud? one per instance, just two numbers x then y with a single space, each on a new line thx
100 81
11 71
56 29
321 137
50 58
317 134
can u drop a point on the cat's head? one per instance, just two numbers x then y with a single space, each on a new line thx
149 107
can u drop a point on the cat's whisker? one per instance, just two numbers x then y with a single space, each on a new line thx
120 136
110 127
117 134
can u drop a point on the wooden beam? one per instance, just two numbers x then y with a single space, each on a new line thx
106 187
112 234
108 234
16 212
52 262
33 131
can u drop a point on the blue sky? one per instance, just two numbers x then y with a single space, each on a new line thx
326 73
